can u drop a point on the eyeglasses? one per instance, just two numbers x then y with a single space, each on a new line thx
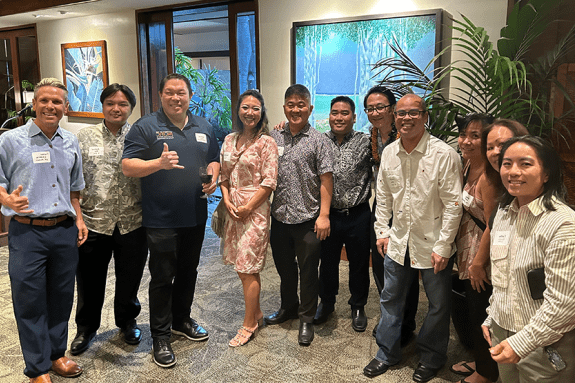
412 113
379 109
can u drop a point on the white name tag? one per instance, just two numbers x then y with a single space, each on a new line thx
96 151
280 151
466 198
501 238
41 157
201 137
227 156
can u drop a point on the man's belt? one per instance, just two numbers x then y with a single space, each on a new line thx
41 221
348 210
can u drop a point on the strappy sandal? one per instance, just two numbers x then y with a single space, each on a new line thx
463 364
241 338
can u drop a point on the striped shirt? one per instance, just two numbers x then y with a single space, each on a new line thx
525 238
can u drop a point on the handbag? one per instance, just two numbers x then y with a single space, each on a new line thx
219 219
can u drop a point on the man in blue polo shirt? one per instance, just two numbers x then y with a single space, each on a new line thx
166 149
40 183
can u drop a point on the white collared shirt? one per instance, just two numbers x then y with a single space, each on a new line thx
522 239
423 191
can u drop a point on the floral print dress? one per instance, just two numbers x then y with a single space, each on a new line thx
253 165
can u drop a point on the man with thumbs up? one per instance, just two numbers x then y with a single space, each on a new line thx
166 149
40 183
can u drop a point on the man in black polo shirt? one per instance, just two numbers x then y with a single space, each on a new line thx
166 149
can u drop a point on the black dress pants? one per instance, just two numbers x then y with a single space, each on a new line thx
412 300
130 254
291 242
350 228
174 259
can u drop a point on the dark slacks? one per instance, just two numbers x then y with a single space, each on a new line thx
433 336
477 304
291 242
130 254
412 298
351 229
174 259
42 267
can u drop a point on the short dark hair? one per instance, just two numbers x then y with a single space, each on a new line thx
176 76
551 162
484 119
298 90
345 99
262 126
517 129
112 89
381 90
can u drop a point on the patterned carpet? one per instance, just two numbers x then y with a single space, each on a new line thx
338 354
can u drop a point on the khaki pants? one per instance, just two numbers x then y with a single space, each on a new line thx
536 367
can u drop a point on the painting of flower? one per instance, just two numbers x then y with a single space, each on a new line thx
85 75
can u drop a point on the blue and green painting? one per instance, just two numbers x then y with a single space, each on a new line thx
336 58
84 78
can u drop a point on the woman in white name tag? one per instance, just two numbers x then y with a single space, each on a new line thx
531 321
479 199
249 169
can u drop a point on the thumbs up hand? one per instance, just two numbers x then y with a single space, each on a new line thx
18 203
169 159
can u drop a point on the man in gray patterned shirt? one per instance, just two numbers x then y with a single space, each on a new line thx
112 208
349 215
300 211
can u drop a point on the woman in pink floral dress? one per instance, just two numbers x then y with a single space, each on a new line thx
249 169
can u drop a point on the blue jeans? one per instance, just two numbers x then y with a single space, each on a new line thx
433 337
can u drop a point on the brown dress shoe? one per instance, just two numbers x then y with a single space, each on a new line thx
66 367
41 379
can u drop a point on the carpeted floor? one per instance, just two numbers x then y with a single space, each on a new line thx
338 353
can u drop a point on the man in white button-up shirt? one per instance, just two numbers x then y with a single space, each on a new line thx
419 183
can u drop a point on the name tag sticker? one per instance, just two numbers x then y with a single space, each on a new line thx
201 137
96 151
467 198
41 157
280 150
501 238
227 156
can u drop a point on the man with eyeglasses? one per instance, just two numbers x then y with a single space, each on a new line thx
419 183
349 215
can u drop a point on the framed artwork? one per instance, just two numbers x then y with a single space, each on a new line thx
85 67
336 56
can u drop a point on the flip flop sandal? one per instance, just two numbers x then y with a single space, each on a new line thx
464 365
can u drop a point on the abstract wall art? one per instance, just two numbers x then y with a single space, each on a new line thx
85 67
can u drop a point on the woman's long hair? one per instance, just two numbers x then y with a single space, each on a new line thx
262 126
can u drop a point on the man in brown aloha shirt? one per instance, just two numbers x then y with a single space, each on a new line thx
112 209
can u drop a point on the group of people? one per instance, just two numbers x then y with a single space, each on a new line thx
120 190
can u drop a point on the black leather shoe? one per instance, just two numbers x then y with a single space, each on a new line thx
81 342
323 312
132 333
358 320
163 354
375 368
191 330
424 374
281 316
305 333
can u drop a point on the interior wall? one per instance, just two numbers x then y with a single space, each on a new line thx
276 18
119 31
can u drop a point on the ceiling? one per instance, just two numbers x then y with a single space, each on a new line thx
83 9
